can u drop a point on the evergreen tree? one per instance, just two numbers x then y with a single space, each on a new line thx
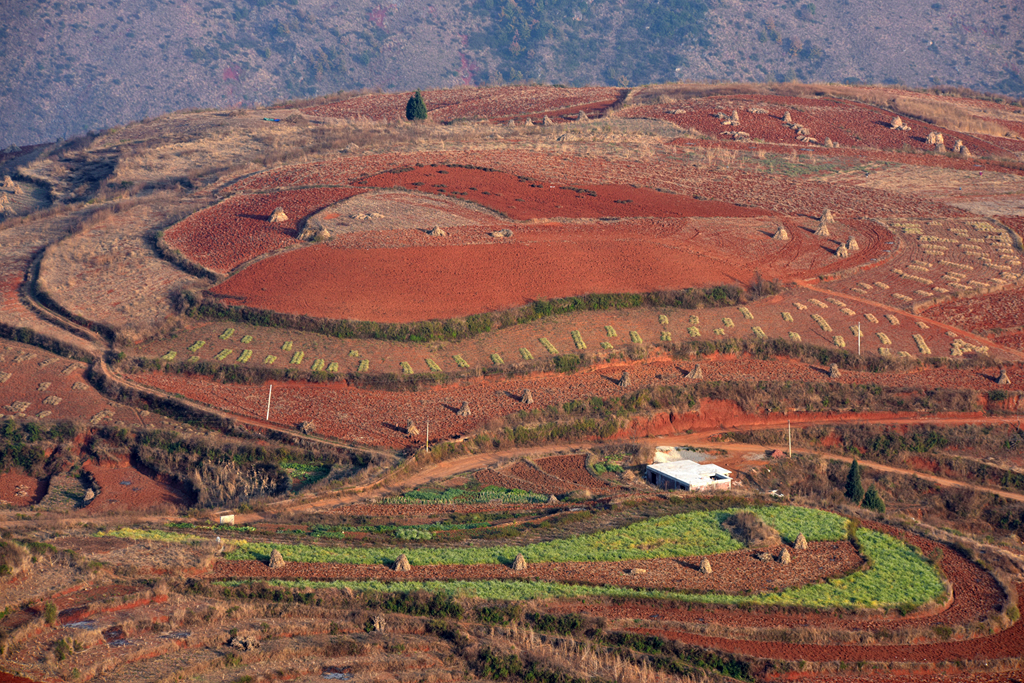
854 487
873 500
416 108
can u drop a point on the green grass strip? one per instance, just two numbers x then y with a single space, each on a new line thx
297 357
460 361
496 359
226 334
728 322
787 316
196 346
549 346
193 359
224 354
333 367
610 331
287 346
318 365
432 364
364 365
663 319
247 339
666 336
406 367
269 360
244 356
606 345
693 330
353 353
170 355
760 333
577 339
525 353
746 313
635 337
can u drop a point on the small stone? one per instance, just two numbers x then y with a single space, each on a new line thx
1003 377
833 372
801 542
696 373
519 564
527 398
464 410
781 235
411 429
784 557
624 381
89 495
402 564
279 216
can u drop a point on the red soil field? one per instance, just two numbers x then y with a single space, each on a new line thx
572 469
847 123
490 103
522 198
122 487
455 281
20 490
238 229
737 572
999 310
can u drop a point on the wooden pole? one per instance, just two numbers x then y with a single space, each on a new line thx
269 393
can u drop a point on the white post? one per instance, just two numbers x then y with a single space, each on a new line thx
428 434
269 393
789 426
858 339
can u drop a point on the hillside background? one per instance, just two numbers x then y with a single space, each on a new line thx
69 67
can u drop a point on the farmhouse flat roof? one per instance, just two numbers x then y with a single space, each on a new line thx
690 472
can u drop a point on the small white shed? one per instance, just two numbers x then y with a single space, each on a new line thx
689 476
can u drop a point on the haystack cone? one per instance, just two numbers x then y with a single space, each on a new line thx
323 235
833 372
1003 377
511 123
437 232
828 143
89 495
940 148
826 216
527 397
552 499
529 122
958 145
548 121
851 244
624 381
583 118
519 564
842 251
784 557
822 230
782 235
897 123
4 201
402 564
801 542
411 429
18 190
8 183
705 566
464 410
786 118
8 210
276 560
963 152
696 373
279 216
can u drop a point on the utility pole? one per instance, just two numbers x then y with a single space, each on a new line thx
789 427
269 393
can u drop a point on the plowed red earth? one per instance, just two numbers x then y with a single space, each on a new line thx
522 198
413 284
572 469
239 229
491 103
736 572
19 489
999 310
846 123
122 487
